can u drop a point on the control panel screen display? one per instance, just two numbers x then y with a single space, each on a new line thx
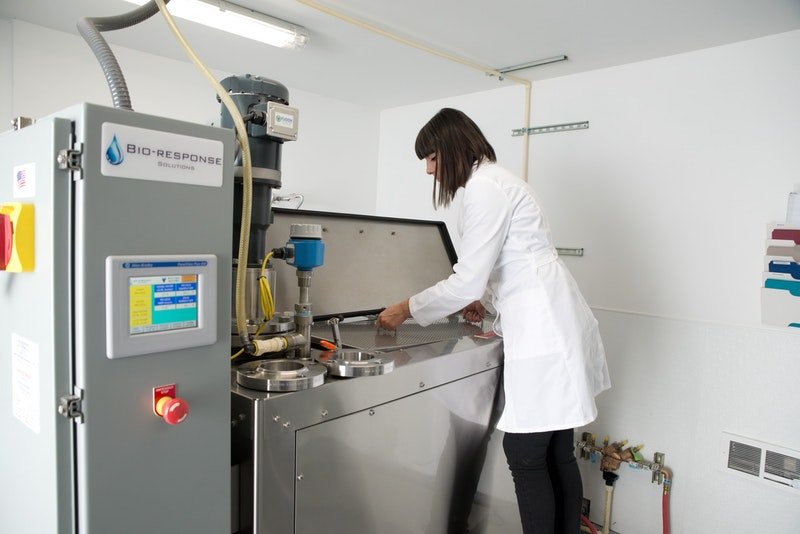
162 303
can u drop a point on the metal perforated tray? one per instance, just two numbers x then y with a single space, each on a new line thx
364 335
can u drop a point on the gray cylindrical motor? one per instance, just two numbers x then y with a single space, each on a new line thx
256 94
270 122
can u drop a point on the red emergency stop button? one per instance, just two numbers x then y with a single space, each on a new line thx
173 410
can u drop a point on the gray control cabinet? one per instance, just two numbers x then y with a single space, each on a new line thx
115 466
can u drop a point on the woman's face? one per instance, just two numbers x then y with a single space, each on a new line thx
430 164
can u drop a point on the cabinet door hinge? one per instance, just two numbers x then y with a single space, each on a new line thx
71 406
69 159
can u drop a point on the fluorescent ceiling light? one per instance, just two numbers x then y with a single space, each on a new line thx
537 63
238 21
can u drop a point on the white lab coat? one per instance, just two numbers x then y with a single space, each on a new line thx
555 363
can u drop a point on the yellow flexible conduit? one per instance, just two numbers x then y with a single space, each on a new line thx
247 165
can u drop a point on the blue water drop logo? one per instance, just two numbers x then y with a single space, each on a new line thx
114 154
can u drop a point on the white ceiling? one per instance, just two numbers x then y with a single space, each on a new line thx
346 62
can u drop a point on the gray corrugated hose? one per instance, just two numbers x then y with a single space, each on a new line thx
90 28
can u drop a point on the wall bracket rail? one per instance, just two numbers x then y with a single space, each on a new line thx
566 127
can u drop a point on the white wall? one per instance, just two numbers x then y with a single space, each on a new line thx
333 163
6 60
687 159
335 160
670 190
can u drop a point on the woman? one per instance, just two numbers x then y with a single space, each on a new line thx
554 363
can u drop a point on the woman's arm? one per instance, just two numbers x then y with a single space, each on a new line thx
486 220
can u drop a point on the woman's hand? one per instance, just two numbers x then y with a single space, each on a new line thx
393 316
474 313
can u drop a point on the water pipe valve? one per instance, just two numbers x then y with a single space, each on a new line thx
613 455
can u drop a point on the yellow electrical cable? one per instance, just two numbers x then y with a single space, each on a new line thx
265 294
267 303
247 168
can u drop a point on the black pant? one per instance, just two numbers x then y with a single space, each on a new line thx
546 480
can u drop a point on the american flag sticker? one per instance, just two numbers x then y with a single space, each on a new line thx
24 177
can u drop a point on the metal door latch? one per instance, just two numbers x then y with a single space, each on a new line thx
70 406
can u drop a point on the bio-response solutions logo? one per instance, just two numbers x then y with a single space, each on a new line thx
114 154
156 155
172 158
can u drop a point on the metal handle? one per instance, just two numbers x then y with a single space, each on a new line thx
337 337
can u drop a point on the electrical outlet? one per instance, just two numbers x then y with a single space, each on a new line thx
586 506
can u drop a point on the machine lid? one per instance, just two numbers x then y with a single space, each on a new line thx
280 375
355 362
370 262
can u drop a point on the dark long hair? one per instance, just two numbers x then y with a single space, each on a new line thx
458 144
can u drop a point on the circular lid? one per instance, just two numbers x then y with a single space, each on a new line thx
305 231
354 362
280 375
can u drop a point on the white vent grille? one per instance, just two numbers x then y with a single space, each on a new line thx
744 458
756 460
782 467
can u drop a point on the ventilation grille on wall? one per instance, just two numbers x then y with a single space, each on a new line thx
756 460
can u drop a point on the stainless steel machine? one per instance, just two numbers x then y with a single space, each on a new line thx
393 438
